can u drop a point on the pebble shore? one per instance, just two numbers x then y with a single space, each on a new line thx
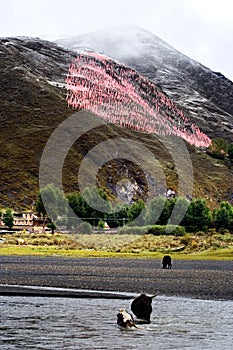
191 278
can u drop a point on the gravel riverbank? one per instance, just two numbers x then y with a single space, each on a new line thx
198 279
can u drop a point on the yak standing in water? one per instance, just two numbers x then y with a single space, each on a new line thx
167 262
142 307
125 319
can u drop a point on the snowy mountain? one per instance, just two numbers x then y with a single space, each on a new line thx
33 104
206 95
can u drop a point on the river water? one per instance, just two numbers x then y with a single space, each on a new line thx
66 323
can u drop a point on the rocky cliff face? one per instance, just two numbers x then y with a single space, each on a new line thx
206 95
40 58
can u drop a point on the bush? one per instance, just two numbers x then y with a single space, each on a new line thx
101 224
136 230
211 231
156 230
230 151
85 227
223 216
174 230
186 239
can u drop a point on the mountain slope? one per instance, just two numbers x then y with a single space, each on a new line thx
30 108
32 105
206 95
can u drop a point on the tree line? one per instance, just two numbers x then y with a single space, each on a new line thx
198 217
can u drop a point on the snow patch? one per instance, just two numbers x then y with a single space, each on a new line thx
57 84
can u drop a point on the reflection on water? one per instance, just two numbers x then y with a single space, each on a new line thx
59 323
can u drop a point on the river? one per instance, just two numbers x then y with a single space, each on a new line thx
90 324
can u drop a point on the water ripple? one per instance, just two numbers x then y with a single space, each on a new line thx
84 324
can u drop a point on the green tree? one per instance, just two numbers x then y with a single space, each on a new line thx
118 217
135 210
8 218
230 151
223 215
54 201
181 207
154 210
91 206
97 202
166 212
79 207
52 227
39 206
197 217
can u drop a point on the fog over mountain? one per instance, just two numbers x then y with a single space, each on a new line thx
206 95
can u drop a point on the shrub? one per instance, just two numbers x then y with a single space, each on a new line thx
194 244
186 239
84 227
156 230
230 151
224 231
101 224
223 216
136 230
167 230
218 148
212 231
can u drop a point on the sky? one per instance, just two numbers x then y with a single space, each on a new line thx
201 29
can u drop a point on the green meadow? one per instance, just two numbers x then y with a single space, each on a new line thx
201 246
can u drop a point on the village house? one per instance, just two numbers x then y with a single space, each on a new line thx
27 220
23 219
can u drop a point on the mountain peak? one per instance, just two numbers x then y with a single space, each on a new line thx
118 42
204 94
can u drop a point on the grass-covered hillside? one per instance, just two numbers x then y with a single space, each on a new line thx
32 106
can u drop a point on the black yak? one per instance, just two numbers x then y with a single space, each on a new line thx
167 262
142 307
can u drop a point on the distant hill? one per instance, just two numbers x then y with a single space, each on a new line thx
33 103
